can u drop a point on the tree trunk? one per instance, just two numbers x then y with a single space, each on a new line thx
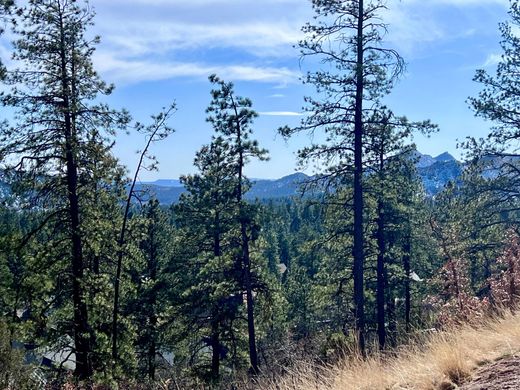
215 350
215 331
407 275
246 260
81 330
512 285
391 338
381 277
121 242
358 248
152 350
253 355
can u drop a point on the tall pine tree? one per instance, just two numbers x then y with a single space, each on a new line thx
357 72
232 117
58 115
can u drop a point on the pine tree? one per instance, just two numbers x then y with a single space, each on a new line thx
499 98
158 130
388 159
358 70
458 300
55 95
232 117
498 101
151 306
390 178
205 215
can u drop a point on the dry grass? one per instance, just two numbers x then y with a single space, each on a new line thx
438 362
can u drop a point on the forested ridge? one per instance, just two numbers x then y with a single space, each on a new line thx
104 286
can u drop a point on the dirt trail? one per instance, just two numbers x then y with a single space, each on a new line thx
501 375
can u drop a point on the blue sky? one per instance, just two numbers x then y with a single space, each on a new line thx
157 51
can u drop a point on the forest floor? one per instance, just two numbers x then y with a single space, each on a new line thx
501 375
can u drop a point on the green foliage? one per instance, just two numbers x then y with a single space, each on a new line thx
59 163
216 288
13 372
498 100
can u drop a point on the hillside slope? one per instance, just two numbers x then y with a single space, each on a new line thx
443 361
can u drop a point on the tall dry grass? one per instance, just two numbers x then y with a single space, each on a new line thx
437 361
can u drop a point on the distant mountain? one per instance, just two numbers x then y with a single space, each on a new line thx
438 174
5 189
425 160
165 194
422 160
169 191
445 157
285 187
435 173
165 183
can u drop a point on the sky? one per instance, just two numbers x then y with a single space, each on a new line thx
160 51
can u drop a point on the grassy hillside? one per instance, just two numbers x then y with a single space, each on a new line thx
438 360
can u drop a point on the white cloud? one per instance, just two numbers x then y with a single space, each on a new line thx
266 28
261 39
247 40
200 2
131 71
492 60
409 28
414 23
160 39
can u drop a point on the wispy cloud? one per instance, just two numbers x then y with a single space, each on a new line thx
410 28
243 39
281 113
129 71
199 2
160 39
414 23
492 60
259 39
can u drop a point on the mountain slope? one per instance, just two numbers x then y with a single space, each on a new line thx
435 173
438 174
285 187
169 191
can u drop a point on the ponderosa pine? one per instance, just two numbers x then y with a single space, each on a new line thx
231 117
55 94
